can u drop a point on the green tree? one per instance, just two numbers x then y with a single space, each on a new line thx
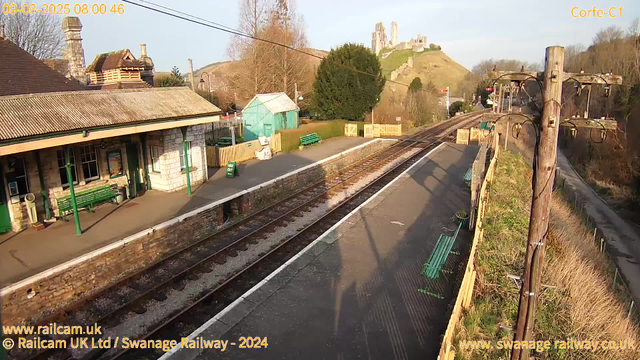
460 106
173 79
348 83
416 85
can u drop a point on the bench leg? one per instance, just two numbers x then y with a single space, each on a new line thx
432 294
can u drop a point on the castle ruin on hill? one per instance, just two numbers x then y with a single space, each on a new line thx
380 41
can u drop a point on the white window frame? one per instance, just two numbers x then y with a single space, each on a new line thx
25 176
95 159
154 151
72 157
189 154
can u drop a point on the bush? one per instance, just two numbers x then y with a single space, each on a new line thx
460 106
325 129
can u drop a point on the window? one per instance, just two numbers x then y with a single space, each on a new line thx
89 160
21 186
188 154
63 170
155 157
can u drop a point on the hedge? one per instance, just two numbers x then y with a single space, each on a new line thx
326 129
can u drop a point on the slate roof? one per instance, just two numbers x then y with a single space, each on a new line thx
23 73
24 116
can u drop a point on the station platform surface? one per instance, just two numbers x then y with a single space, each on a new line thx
353 293
29 252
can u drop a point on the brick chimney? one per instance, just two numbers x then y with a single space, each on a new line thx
74 53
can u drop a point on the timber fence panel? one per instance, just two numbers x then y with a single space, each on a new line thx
465 293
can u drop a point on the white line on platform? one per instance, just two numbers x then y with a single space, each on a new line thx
88 256
219 315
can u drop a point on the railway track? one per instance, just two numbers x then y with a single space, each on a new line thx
134 295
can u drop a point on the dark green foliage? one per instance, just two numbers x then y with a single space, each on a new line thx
462 106
175 79
341 89
416 85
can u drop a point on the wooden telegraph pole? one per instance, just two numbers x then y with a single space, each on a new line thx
544 174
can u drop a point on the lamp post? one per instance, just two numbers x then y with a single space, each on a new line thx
208 81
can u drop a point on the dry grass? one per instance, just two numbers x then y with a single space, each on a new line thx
581 303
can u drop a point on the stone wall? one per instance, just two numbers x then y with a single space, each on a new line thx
97 270
81 277
170 176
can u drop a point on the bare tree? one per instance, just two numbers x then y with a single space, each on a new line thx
37 34
265 66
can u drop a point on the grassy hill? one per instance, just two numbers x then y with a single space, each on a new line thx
434 66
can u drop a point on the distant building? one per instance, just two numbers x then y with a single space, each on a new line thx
121 70
267 113
114 70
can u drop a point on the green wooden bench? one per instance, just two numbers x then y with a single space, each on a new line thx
224 141
433 267
467 176
310 139
86 199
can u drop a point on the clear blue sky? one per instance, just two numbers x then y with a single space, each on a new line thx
468 30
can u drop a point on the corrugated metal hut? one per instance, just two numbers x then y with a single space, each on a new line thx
266 113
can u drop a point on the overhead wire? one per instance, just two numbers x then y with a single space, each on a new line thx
210 24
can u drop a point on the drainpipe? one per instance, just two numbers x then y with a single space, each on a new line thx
186 157
145 168
67 159
43 187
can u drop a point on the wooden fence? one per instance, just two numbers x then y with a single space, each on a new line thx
351 130
378 130
221 156
465 293
213 131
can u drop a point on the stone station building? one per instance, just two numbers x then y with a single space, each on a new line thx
131 140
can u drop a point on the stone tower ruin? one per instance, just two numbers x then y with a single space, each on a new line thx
394 34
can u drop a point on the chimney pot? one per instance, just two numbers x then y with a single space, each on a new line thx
143 50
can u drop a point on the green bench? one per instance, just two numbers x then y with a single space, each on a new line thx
86 199
467 176
224 141
310 139
433 267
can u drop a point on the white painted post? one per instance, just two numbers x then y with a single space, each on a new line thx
615 277
630 308
601 244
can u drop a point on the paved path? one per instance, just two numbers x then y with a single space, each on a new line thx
353 294
30 252
623 237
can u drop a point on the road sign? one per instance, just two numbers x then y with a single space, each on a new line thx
444 91
398 118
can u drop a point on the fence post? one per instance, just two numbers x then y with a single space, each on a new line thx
601 244
615 277
630 308
595 230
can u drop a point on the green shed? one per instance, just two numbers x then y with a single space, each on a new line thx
266 113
